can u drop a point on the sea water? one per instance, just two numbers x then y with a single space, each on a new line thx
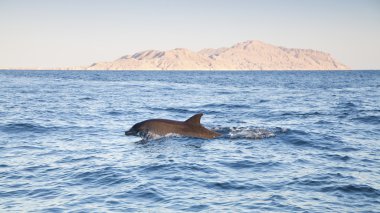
292 142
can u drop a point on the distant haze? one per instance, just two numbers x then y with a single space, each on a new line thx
43 33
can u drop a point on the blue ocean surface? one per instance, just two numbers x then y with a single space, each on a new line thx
291 141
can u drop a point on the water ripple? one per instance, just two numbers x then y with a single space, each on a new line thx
363 190
291 142
25 127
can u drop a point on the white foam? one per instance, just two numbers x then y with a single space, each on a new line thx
153 136
247 132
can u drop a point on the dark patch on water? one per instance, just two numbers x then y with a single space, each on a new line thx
71 159
43 193
306 114
362 190
143 191
234 185
174 110
263 101
115 113
86 99
371 119
196 208
338 157
247 164
315 140
105 177
25 127
226 106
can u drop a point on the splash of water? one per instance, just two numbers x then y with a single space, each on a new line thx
253 133
249 132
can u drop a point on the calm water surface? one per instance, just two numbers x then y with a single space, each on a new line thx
292 142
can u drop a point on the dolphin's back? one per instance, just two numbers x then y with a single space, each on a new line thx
163 126
190 127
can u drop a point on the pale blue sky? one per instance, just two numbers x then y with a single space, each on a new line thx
52 33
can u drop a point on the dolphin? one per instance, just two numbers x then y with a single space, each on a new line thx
191 128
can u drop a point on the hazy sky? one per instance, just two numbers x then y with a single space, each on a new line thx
52 33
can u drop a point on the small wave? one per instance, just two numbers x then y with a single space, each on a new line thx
53 209
311 182
25 127
299 138
225 92
196 208
364 190
106 176
143 191
226 106
314 140
234 185
323 122
70 159
176 110
86 99
115 113
348 105
35 168
14 193
349 149
339 157
369 111
306 114
263 101
246 164
156 167
29 147
368 119
174 168
43 193
29 91
319 180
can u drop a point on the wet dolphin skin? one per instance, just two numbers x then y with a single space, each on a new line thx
189 128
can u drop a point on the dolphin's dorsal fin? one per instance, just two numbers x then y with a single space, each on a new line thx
194 120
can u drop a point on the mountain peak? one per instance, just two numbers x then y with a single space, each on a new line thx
251 43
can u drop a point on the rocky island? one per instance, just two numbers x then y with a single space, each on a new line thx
249 55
